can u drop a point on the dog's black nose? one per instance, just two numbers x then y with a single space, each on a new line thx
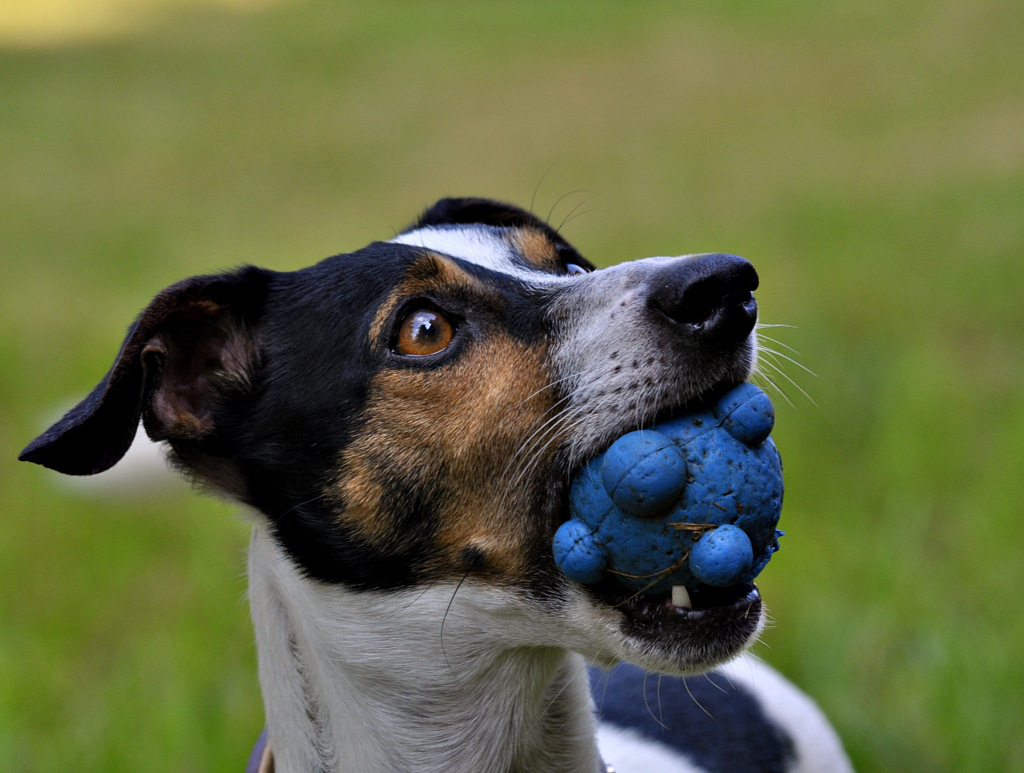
708 296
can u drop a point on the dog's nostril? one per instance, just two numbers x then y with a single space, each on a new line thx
701 303
709 294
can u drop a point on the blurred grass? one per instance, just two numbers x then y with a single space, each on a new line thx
869 157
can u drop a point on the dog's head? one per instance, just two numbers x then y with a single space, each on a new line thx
412 413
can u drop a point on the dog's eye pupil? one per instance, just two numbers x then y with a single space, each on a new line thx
572 269
423 332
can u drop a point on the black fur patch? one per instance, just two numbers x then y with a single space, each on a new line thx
714 722
307 405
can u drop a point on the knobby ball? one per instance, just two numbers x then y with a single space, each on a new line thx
693 501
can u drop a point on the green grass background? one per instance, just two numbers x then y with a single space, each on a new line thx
867 156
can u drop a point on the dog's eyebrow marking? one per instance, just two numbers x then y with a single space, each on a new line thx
537 249
483 246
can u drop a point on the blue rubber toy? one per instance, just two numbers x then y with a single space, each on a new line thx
693 501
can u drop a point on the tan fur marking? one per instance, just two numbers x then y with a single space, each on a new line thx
461 430
535 246
430 273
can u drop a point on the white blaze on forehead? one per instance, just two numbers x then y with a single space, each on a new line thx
482 245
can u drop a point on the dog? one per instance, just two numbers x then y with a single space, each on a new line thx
404 422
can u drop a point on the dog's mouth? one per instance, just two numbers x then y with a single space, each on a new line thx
664 632
711 627
682 607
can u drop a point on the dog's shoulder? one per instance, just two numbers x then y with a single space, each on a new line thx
743 717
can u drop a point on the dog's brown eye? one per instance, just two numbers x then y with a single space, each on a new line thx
423 332
572 269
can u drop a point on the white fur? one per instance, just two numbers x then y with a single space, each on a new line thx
447 678
629 752
482 246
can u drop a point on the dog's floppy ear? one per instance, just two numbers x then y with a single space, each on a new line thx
193 339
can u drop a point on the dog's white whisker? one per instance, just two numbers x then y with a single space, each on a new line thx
552 419
783 344
661 713
647 705
696 702
766 379
787 358
783 374
528 455
528 450
759 378
716 685
535 455
549 385
562 687
558 416
552 412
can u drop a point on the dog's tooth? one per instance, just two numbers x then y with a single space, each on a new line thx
681 597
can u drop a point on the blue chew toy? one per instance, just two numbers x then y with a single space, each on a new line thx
693 501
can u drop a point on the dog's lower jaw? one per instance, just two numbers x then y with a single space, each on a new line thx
370 682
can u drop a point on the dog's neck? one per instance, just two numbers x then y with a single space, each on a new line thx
427 680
